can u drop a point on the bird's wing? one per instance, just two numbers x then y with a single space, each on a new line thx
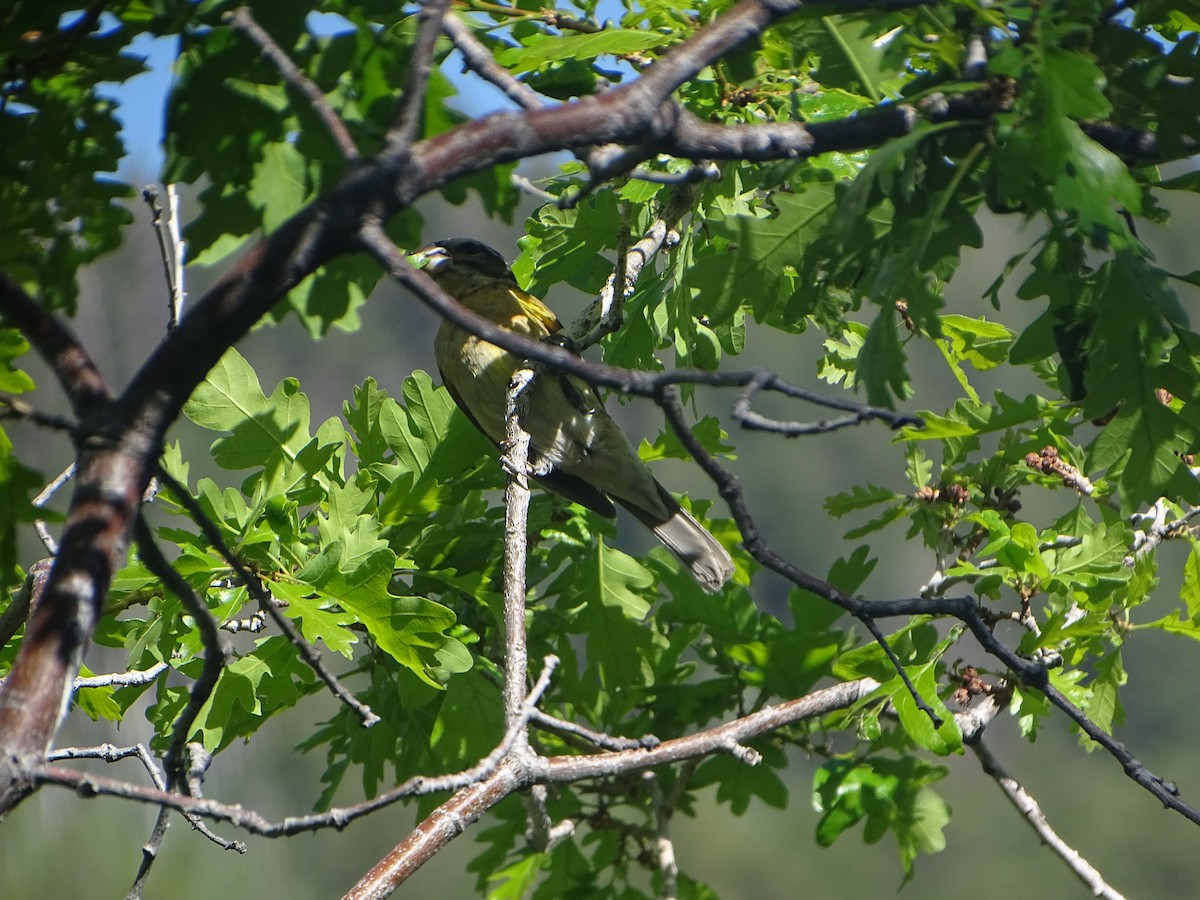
574 489
538 311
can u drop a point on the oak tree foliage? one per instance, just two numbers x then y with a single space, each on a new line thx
823 173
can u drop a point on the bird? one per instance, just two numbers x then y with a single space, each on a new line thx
576 448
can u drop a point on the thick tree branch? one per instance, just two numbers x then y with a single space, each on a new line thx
71 364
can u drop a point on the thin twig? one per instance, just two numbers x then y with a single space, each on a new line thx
12 408
178 290
39 525
664 848
859 412
596 738
480 60
151 196
111 753
243 21
410 113
122 679
150 851
214 654
1032 813
524 184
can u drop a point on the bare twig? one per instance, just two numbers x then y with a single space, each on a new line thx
39 525
595 738
150 851
52 488
479 60
410 113
859 412
13 408
214 653
664 848
1032 813
524 184
243 21
166 256
111 753
122 679
178 291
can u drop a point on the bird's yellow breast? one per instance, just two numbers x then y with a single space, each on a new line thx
479 372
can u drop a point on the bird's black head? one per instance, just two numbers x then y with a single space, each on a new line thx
461 259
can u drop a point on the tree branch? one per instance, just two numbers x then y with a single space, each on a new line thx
1032 813
71 364
410 113
214 654
242 21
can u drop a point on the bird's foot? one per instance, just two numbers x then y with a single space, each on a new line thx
536 467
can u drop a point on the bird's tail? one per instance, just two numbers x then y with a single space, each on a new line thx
690 541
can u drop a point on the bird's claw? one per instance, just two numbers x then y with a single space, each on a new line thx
536 467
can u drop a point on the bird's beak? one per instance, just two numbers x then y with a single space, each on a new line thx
432 258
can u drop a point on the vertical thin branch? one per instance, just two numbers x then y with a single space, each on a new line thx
214 653
410 114
664 848
150 851
165 254
178 293
516 526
